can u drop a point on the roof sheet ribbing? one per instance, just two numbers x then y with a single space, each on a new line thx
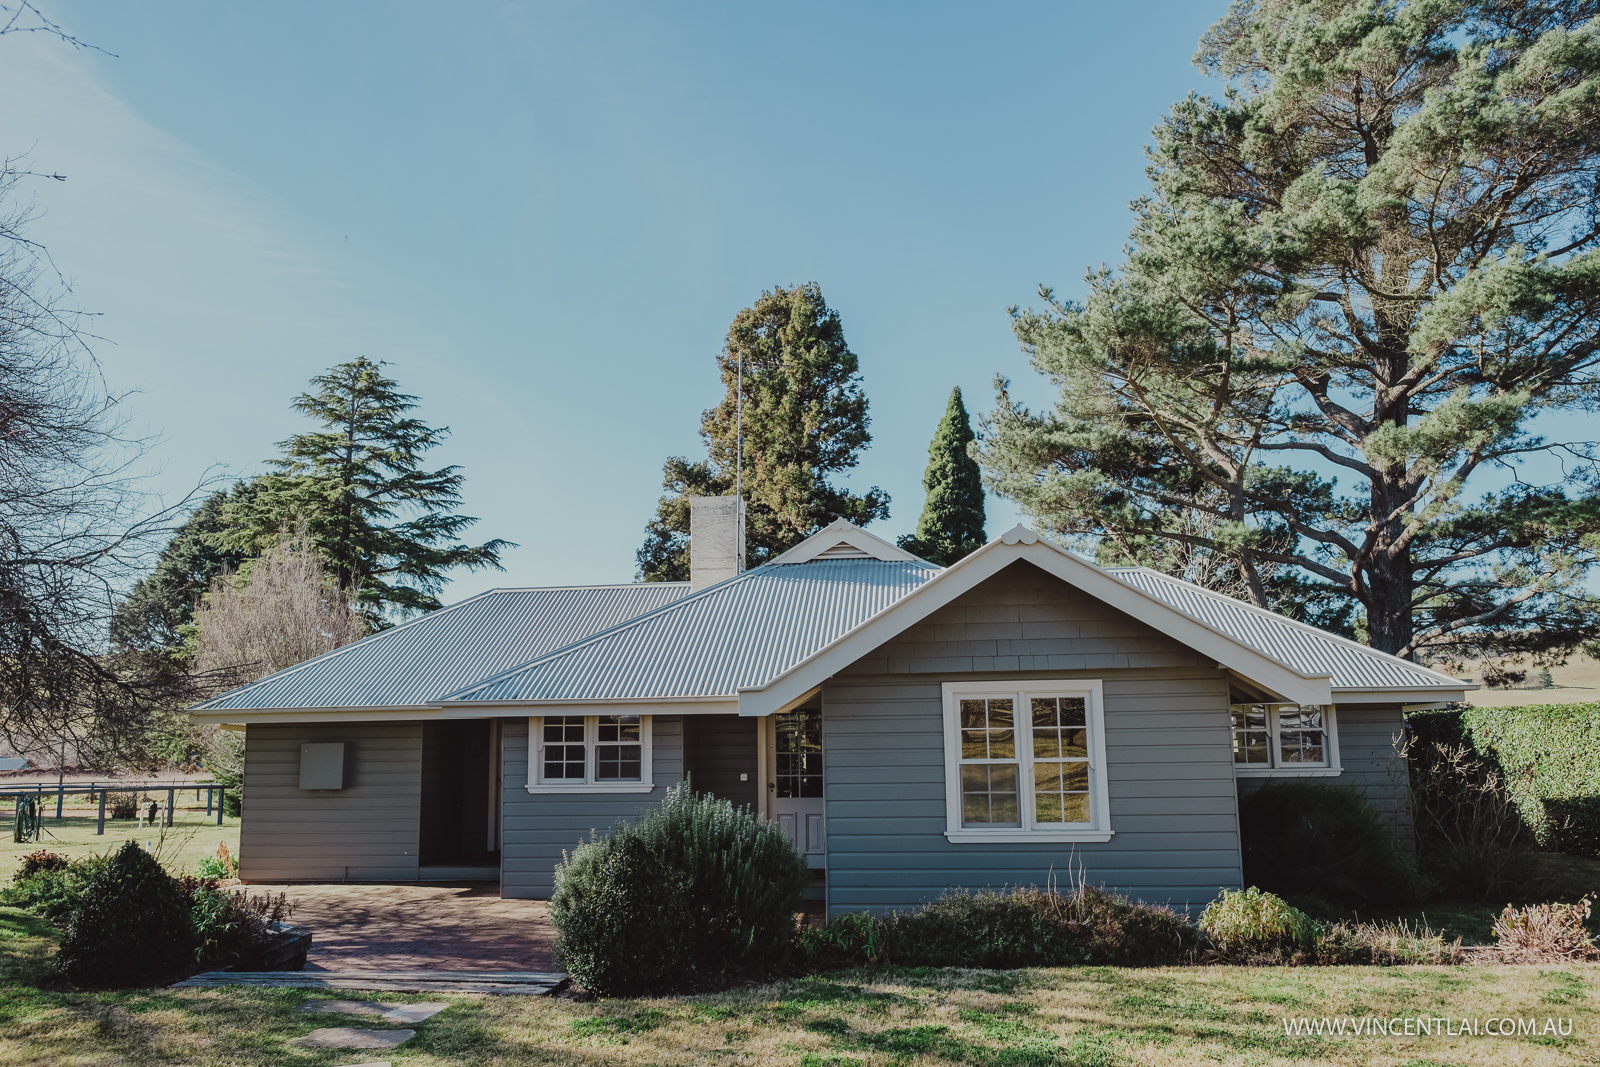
742 632
419 661
1305 648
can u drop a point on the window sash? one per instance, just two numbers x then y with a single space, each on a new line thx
1024 761
590 750
1282 736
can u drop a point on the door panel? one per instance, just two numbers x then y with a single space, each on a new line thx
794 757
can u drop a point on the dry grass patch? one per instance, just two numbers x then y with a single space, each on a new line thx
1066 1017
192 837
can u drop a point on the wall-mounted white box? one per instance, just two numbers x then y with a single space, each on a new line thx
322 765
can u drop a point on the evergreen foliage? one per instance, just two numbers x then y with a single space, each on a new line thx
805 419
951 526
1376 254
692 891
1246 923
351 483
162 604
1323 845
131 926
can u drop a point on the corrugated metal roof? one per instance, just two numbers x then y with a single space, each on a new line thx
444 650
742 632
1305 648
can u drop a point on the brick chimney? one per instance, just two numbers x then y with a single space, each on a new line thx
716 549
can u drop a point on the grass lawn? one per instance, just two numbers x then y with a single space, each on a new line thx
1090 1017
192 835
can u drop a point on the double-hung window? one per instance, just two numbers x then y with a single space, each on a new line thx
589 754
1280 739
1025 762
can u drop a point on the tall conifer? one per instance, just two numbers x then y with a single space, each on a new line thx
951 526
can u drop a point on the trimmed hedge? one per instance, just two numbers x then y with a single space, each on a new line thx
1548 756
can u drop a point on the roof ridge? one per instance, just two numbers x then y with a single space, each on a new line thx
1281 618
567 650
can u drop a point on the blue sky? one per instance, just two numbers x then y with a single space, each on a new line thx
544 216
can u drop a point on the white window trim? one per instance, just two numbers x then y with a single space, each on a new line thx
591 731
1330 729
1099 828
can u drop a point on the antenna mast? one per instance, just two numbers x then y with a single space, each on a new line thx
738 464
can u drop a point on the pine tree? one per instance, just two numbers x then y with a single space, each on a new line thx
805 418
351 483
951 526
158 608
1376 256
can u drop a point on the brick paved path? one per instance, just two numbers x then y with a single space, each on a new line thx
404 927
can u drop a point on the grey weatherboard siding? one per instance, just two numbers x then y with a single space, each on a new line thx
1174 807
367 831
537 827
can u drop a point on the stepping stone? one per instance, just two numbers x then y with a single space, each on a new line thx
395 1013
345 1037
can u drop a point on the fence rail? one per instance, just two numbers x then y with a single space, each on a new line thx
214 794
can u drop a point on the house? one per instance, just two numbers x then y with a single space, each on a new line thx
912 728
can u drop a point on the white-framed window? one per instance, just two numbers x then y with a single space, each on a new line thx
589 754
1284 739
1025 761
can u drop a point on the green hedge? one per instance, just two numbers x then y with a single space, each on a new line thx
1548 755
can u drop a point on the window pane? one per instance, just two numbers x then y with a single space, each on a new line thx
564 728
1046 743
619 762
1075 743
1075 807
1047 807
1002 744
973 714
974 744
1000 713
1072 712
563 762
797 741
989 795
1251 741
1075 777
1044 712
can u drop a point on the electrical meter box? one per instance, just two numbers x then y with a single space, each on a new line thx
322 765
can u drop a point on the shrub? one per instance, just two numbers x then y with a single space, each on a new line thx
228 925
51 890
124 805
1545 933
131 925
1547 757
1324 842
1247 924
692 891
1384 944
1471 839
42 860
1007 929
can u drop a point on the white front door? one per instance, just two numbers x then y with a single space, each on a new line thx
794 789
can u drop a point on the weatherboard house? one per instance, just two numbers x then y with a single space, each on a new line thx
913 729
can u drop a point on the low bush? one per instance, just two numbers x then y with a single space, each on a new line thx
1252 926
131 925
1385 944
1545 933
228 925
1007 929
51 888
1472 840
693 893
124 805
1324 844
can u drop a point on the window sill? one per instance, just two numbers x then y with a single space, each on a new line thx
1043 837
596 787
1287 772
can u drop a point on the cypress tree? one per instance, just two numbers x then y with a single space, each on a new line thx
951 526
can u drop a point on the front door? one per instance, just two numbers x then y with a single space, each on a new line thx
794 755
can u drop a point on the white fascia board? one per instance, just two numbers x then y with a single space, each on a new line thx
1342 697
988 561
652 706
